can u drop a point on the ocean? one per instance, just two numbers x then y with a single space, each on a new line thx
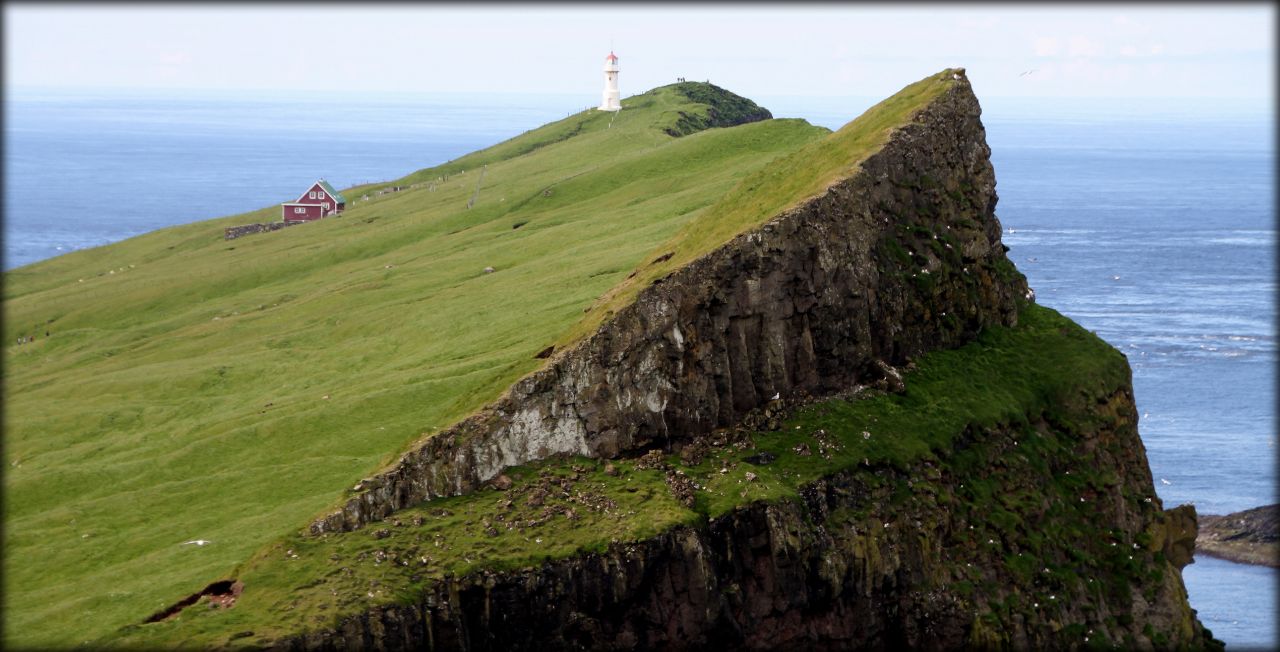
1156 230
1149 222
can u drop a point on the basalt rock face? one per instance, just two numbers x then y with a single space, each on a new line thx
1073 551
900 258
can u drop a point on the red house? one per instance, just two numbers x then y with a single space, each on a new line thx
320 200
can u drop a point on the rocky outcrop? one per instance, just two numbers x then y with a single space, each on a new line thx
1072 550
1174 534
1248 537
900 258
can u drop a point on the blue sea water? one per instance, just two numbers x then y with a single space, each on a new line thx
1157 231
1150 223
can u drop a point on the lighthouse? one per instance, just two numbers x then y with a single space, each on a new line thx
610 100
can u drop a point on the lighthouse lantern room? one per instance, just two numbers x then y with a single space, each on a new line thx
610 100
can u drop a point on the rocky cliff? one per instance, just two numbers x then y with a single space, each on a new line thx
901 257
1044 534
1251 536
990 491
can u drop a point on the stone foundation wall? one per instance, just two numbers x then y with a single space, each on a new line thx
234 232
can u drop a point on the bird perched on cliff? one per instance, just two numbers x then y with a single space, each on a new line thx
198 542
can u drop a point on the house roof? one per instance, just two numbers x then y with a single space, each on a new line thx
337 196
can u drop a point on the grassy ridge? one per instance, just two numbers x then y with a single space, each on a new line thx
1008 377
785 182
198 388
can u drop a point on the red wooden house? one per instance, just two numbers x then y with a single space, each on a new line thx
320 200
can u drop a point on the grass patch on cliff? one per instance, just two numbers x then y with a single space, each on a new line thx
303 582
1005 377
1047 365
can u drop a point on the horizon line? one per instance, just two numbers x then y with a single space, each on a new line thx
10 88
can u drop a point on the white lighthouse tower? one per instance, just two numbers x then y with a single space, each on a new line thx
610 100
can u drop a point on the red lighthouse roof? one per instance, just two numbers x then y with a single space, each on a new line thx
612 56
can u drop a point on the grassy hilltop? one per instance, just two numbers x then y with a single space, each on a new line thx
195 388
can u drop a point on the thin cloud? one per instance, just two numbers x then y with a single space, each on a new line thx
809 50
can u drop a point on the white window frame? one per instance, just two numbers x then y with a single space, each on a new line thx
311 195
299 210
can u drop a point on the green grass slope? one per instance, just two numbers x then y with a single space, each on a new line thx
194 388
230 391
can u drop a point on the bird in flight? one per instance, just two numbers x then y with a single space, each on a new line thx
1028 72
198 542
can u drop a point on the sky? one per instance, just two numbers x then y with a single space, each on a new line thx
1071 50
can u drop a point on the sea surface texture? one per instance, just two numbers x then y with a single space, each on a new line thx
1149 222
1156 230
